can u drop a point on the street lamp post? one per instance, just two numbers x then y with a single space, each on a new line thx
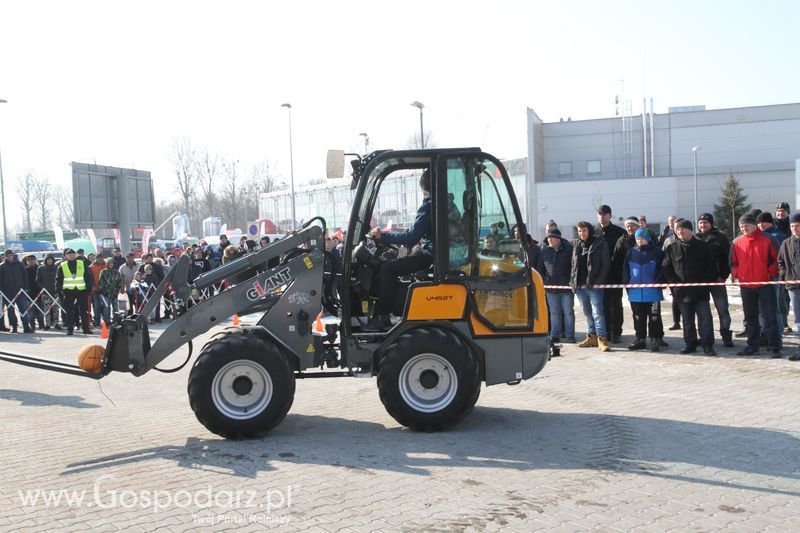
291 162
3 194
420 106
694 154
366 142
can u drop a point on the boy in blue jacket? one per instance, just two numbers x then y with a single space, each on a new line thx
643 265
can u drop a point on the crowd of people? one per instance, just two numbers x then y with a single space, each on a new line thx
697 259
87 290
694 257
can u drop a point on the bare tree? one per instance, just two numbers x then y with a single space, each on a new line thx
64 209
262 178
261 181
42 193
207 175
231 194
413 142
26 198
183 159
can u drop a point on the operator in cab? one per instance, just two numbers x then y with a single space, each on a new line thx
420 258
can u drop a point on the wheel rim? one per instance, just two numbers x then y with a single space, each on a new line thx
241 389
428 382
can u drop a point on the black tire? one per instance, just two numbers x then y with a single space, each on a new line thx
413 369
221 366
221 334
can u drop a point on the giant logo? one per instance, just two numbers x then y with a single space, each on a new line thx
263 288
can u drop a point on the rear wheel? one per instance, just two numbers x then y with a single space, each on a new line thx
429 379
241 386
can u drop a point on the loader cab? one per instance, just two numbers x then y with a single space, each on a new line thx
477 260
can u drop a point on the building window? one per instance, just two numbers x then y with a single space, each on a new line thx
593 166
565 168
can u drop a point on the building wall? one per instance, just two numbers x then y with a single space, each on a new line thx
739 140
759 145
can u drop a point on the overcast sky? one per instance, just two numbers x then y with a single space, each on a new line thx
115 82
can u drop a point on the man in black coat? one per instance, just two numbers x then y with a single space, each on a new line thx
591 263
555 267
35 313
789 270
612 298
690 260
721 249
12 280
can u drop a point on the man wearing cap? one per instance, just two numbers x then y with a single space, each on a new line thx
612 298
73 280
782 218
555 267
551 225
12 280
689 260
767 226
789 269
623 244
721 249
220 251
781 221
754 259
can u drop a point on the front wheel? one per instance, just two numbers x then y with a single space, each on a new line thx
429 379
241 386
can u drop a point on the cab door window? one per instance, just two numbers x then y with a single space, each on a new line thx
481 244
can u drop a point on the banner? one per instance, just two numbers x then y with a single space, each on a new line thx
59 237
146 234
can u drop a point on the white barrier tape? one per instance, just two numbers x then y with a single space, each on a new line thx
667 285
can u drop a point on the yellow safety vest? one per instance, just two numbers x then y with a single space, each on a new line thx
74 282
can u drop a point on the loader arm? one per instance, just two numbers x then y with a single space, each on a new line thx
129 348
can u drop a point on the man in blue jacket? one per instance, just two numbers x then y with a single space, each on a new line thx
12 280
420 259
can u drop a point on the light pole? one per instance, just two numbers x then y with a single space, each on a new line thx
3 194
420 106
366 142
291 162
694 154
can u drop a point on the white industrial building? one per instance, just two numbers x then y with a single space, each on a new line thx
644 164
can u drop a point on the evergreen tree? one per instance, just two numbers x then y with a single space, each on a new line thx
731 206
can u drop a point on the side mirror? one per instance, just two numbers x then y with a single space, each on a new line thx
334 164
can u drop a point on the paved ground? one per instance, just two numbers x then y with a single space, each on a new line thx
619 441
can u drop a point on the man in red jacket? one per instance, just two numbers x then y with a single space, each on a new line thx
753 258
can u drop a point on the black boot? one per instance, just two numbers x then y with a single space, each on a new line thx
638 344
727 338
377 324
655 345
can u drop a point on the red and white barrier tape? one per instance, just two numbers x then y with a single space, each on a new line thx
666 285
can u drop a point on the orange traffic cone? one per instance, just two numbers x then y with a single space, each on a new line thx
319 329
236 320
103 330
